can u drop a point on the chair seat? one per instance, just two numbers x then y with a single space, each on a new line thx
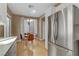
30 37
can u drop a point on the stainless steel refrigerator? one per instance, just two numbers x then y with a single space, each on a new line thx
58 36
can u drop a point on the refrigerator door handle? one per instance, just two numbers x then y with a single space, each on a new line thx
55 26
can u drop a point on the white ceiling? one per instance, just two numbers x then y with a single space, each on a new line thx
23 9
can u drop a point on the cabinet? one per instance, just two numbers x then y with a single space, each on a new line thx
12 50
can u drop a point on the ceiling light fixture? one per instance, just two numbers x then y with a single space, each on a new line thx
30 20
30 6
34 11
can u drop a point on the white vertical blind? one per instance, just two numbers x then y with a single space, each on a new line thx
26 26
30 28
35 26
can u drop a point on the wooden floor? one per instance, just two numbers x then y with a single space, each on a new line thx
27 49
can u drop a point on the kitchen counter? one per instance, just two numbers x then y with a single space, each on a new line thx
6 47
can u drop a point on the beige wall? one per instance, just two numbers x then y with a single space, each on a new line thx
15 26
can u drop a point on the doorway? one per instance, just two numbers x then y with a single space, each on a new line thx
49 28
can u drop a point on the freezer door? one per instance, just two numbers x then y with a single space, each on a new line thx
55 50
